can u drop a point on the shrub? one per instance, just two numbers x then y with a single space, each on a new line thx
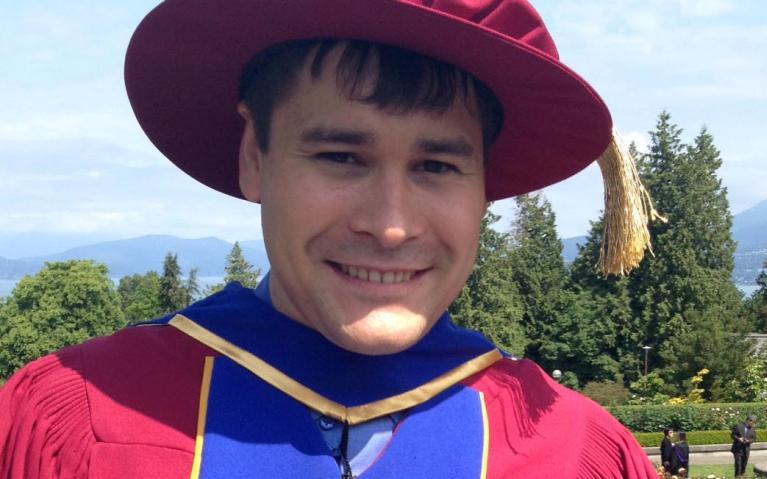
606 393
689 417
694 438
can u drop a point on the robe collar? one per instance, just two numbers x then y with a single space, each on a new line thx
299 361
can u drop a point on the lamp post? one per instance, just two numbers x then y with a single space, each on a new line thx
646 350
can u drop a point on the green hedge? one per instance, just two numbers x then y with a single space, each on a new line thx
689 417
694 438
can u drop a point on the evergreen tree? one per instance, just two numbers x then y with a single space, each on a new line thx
690 272
192 287
489 302
755 306
173 293
608 301
64 303
237 269
539 273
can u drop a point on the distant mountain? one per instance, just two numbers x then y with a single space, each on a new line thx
570 247
208 255
139 255
26 245
749 229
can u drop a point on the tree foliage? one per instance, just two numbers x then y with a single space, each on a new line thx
64 303
237 269
680 300
755 306
140 297
490 302
684 292
173 292
562 331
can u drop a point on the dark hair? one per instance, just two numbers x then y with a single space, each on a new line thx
681 436
666 431
406 81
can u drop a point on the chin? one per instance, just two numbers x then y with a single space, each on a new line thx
382 333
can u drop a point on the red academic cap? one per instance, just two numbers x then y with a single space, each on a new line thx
184 63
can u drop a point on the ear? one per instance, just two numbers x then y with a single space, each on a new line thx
250 159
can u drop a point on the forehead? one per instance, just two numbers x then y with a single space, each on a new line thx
328 93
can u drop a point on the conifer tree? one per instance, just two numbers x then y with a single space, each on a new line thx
192 286
539 273
173 293
238 269
489 302
607 301
690 272
755 306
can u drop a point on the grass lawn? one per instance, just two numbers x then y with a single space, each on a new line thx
720 470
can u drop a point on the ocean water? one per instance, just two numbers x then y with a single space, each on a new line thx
6 286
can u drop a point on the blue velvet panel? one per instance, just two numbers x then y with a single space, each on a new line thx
348 378
255 431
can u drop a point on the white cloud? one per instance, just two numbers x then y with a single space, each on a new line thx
640 139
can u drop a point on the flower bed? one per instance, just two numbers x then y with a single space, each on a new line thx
689 417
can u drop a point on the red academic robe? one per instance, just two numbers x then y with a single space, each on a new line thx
127 406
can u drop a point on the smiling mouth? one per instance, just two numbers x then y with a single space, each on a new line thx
374 275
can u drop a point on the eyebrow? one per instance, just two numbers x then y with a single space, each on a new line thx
455 147
321 134
443 146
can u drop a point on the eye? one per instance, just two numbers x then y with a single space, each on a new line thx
438 167
339 157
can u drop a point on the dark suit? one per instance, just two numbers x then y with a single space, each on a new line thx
742 437
666 448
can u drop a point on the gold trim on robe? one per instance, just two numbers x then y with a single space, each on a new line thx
351 415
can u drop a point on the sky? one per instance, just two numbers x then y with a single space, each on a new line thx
74 161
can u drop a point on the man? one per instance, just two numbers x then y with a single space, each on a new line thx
373 160
743 435
667 448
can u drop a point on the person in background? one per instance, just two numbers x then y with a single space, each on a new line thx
743 435
680 456
666 448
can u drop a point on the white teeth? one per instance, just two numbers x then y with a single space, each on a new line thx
374 276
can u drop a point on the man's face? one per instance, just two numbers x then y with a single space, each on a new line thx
371 219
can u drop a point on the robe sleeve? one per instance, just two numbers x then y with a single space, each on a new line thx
45 428
611 451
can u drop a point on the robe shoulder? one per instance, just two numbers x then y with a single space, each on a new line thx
539 428
118 406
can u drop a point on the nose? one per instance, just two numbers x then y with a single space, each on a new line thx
388 209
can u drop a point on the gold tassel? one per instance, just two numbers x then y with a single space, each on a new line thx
628 208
